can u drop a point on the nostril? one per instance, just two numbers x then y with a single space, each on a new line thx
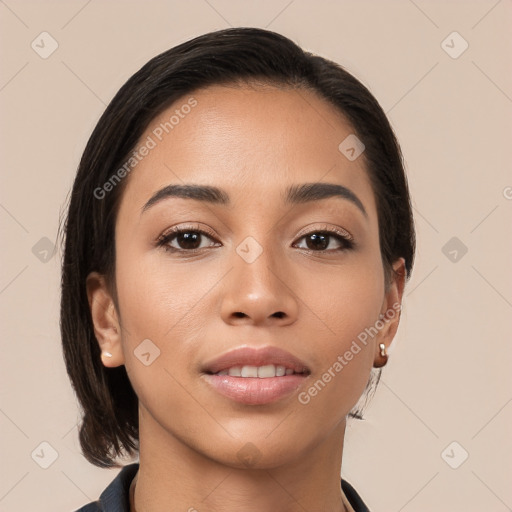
278 314
239 314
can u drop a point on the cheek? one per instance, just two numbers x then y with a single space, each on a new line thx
162 316
349 303
348 299
161 302
157 296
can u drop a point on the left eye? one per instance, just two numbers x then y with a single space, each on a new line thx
321 241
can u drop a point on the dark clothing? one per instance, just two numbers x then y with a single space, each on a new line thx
115 498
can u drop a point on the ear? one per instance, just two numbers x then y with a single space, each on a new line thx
105 320
390 312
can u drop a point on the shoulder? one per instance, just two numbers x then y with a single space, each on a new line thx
353 497
115 497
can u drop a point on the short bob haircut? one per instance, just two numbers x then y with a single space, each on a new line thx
109 404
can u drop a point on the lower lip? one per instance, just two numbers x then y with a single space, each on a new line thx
253 390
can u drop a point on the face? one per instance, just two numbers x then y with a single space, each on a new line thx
255 268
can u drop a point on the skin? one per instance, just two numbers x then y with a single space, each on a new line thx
253 142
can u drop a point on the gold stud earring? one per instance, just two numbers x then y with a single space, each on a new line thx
382 350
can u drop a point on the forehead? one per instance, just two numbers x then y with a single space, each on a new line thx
252 141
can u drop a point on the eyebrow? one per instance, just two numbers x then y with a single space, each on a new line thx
295 194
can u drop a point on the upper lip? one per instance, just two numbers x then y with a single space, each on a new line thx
249 356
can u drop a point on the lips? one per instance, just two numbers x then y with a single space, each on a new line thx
247 356
244 383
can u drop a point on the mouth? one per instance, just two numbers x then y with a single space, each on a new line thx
256 376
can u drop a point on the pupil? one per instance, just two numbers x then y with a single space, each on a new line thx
189 240
318 241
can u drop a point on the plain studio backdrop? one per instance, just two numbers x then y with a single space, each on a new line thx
435 435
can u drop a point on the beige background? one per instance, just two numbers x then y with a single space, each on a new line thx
449 376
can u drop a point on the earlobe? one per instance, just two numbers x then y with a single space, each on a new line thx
107 328
390 314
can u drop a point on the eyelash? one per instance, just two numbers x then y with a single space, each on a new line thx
345 239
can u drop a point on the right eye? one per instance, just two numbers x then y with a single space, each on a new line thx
185 239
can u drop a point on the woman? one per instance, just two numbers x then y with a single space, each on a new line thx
237 243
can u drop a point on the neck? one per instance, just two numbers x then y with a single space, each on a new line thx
173 476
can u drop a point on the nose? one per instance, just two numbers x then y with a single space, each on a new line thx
259 292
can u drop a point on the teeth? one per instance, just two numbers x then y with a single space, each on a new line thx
249 371
266 371
262 372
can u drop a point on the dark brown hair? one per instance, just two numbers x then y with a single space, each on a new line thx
109 405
